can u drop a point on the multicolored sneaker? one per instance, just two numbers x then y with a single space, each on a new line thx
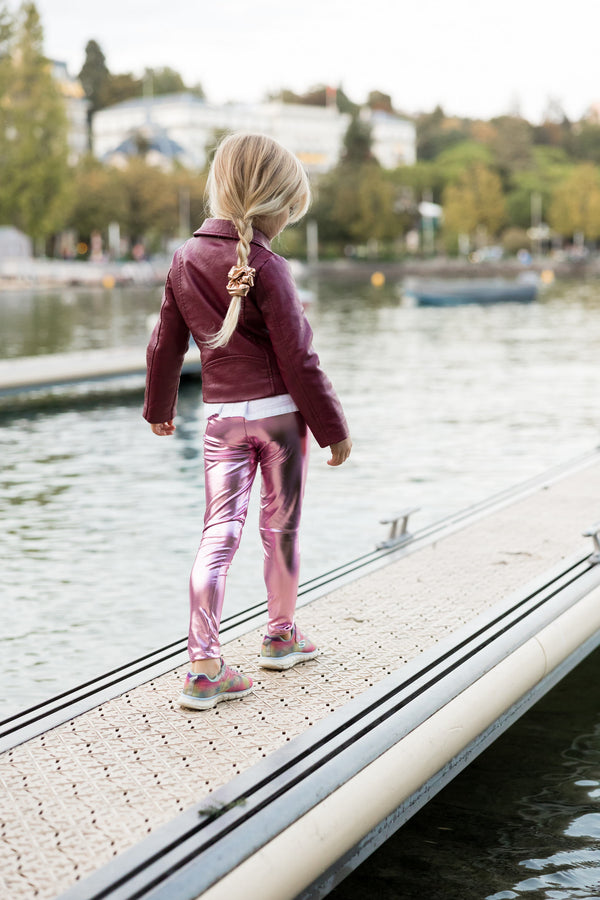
202 692
276 653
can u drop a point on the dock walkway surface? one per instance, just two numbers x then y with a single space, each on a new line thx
136 797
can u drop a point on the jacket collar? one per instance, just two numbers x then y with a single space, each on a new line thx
226 229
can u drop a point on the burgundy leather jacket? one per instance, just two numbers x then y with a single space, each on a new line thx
270 351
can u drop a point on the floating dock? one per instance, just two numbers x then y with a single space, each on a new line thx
430 649
36 373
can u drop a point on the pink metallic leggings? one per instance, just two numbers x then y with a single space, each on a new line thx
233 449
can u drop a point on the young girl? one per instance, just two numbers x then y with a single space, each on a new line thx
263 389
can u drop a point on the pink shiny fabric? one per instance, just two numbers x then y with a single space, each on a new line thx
234 448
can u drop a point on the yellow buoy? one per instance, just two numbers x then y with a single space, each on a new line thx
108 281
377 279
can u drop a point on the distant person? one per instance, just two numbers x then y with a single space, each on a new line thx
263 389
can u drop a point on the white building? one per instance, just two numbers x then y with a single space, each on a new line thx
76 107
314 133
14 244
394 140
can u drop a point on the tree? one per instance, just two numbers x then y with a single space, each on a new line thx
6 36
556 129
150 203
321 95
334 207
121 87
513 144
375 216
344 103
33 129
198 90
163 81
475 203
98 199
550 167
357 143
357 203
453 162
94 75
379 101
436 132
575 206
586 142
316 96
422 177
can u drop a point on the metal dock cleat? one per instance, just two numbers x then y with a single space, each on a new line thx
399 533
593 532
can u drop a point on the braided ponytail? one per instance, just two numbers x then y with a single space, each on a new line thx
251 177
245 232
241 279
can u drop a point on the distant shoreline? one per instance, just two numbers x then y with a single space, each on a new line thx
44 274
441 267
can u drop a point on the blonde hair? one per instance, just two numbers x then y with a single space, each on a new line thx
252 178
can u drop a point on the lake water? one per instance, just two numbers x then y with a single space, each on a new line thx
522 821
101 519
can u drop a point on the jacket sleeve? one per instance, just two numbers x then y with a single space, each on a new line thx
291 338
164 358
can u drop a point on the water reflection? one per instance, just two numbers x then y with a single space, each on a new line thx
56 321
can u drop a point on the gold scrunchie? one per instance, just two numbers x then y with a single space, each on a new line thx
241 279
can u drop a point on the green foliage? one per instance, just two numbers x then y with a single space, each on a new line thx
375 215
321 95
142 199
6 37
575 203
98 199
416 181
356 201
529 161
94 75
586 142
452 163
344 103
33 130
380 101
356 204
357 143
103 88
475 203
118 88
512 144
163 81
436 133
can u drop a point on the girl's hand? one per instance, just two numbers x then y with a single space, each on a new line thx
163 429
340 452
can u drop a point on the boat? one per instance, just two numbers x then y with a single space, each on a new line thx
480 291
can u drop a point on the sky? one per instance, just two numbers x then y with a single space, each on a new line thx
474 57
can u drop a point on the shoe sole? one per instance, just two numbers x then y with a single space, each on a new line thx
285 662
208 703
